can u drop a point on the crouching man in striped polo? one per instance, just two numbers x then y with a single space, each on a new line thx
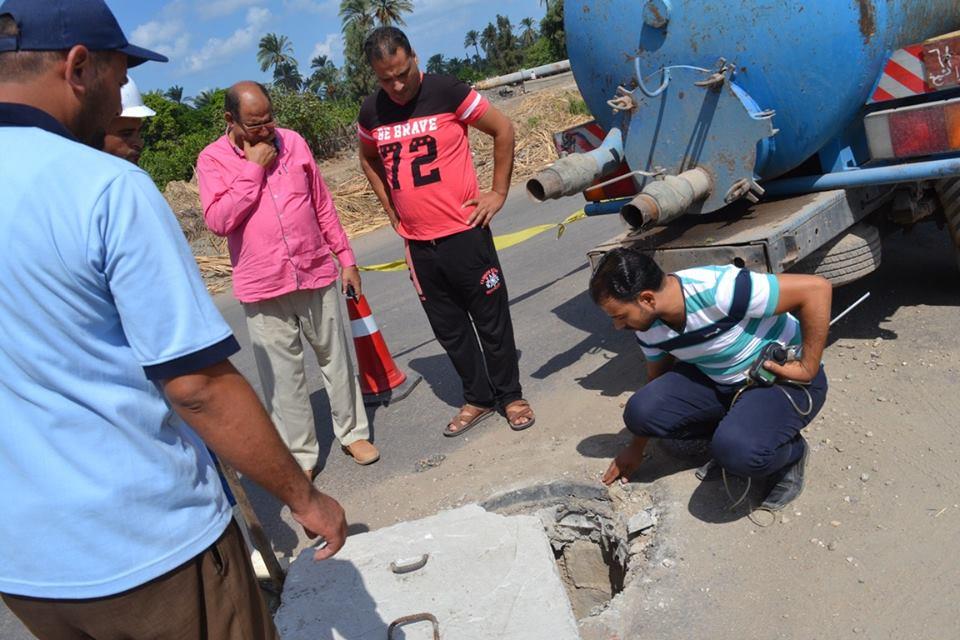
700 330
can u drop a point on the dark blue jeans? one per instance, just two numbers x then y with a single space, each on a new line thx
758 436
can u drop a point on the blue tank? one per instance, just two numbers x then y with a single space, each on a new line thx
801 72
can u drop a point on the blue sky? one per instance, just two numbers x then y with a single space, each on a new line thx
213 43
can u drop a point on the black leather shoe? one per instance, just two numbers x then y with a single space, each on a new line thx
786 484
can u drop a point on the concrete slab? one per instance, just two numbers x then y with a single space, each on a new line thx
488 576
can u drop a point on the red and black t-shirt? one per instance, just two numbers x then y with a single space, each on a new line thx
426 154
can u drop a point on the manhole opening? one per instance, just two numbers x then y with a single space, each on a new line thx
593 537
593 560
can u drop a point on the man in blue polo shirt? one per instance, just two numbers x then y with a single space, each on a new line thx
113 366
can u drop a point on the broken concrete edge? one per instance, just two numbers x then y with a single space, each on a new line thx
647 575
644 551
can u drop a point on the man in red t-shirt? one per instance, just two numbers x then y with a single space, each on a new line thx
415 152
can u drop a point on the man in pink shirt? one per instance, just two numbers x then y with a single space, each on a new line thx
260 188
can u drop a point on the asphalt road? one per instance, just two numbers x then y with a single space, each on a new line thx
546 278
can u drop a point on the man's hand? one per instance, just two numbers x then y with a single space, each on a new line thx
626 462
487 204
263 153
797 370
350 276
323 516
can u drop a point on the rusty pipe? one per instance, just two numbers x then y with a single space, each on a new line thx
664 200
577 171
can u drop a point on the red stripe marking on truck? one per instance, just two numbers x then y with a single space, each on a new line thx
905 78
881 96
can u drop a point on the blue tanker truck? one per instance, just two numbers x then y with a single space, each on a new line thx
776 135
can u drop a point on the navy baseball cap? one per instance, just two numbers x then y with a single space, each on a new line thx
58 25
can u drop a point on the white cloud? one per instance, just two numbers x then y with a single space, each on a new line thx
165 34
423 8
218 8
313 6
332 46
217 50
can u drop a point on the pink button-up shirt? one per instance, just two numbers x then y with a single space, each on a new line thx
281 224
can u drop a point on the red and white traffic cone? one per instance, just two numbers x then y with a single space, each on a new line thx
381 381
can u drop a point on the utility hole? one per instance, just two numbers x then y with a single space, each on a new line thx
594 537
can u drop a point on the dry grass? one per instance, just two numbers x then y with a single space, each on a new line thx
536 118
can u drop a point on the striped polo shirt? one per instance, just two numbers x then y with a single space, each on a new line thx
708 297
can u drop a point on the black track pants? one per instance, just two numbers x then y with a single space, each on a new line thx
459 279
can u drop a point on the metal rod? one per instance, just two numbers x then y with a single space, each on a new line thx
257 536
909 172
850 308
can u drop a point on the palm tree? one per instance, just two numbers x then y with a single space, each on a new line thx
390 12
435 63
174 93
204 99
274 51
529 33
324 74
472 39
287 75
488 40
356 14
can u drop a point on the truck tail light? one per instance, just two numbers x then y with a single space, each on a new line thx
919 130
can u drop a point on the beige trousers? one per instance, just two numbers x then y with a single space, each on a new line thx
275 327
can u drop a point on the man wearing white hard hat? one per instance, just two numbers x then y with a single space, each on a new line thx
123 135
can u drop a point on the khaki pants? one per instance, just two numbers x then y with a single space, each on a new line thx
275 326
214 595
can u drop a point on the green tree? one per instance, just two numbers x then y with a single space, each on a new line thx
356 17
174 93
204 99
435 64
551 28
175 136
274 51
507 46
488 41
390 12
528 35
472 39
356 14
324 76
538 54
326 125
287 75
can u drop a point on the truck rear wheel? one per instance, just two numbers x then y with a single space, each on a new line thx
847 258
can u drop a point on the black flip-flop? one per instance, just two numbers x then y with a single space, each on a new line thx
466 426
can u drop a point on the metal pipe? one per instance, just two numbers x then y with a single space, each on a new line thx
604 207
910 172
663 200
524 74
577 171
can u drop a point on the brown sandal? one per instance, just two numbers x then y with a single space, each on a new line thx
517 410
468 417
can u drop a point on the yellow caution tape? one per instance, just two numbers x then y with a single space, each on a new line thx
500 242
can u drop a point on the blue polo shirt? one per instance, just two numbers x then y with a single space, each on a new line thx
102 486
